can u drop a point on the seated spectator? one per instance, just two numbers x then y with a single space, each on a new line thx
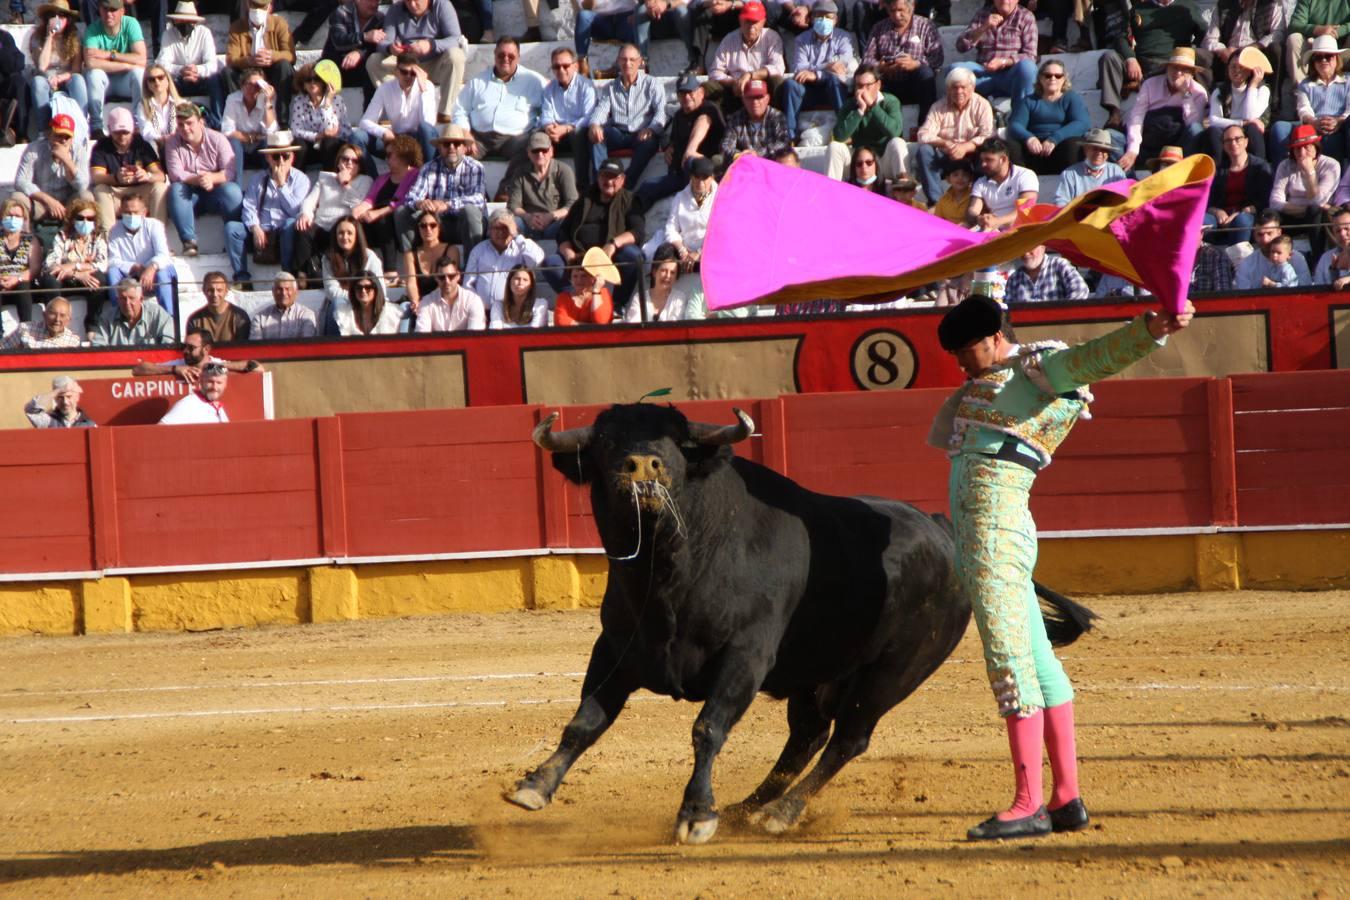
588 301
52 333
1004 37
608 20
1239 191
504 249
65 411
862 172
138 248
540 193
1143 47
905 191
955 128
114 59
1269 267
519 305
1213 271
669 18
57 61
1267 229
786 156
451 186
123 164
1046 127
756 128
408 103
695 131
1170 110
272 206
284 320
156 116
1310 20
386 195
1323 100
955 201
687 221
20 257
568 101
873 120
609 218
1001 191
451 307
319 121
1044 278
261 42
1242 100
220 319
630 113
822 65
667 297
429 30
1090 173
365 310
203 405
333 196
197 355
77 264
1239 24
752 54
1304 186
347 259
188 59
1334 267
908 55
53 171
419 263
250 116
501 105
201 167
353 32
132 322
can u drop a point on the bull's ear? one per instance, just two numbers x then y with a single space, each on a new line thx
702 460
574 465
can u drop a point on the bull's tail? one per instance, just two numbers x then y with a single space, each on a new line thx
1065 620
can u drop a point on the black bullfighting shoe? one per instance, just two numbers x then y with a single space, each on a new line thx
993 828
1072 816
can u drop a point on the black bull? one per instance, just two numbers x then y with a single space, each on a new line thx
727 579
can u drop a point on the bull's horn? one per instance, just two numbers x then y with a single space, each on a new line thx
714 435
569 441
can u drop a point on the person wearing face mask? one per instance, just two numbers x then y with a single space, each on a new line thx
262 41
822 64
189 56
20 257
77 264
139 248
54 47
1093 171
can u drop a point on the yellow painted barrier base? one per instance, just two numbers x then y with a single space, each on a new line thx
1287 560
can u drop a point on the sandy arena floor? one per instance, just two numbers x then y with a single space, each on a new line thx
369 758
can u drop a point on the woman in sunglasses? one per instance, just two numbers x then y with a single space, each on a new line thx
419 263
156 116
77 265
20 257
364 310
332 197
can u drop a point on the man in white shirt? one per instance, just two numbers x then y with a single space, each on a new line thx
138 248
202 406
687 222
189 55
250 116
408 102
996 197
491 261
501 105
450 307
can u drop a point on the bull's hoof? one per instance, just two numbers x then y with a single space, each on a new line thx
780 815
527 797
699 832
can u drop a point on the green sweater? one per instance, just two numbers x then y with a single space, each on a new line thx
885 120
1309 14
1157 30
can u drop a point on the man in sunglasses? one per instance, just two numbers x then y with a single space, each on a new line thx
428 29
407 102
569 100
52 172
452 187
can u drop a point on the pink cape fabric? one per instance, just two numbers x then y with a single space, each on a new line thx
778 234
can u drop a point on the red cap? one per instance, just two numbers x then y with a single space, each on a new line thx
755 88
63 124
753 11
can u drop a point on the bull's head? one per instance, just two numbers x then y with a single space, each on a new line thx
642 451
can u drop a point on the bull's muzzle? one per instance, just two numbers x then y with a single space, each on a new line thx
646 476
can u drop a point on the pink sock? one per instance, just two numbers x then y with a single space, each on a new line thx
1059 743
1024 740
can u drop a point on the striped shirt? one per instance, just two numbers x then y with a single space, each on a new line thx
631 109
1318 98
461 186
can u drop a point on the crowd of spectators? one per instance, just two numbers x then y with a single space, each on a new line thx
390 219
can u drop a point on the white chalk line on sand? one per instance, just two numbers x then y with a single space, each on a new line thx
501 704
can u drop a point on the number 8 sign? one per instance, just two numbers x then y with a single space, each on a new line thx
883 361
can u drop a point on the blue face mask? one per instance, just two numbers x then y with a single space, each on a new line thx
823 26
11 224
131 222
868 180
84 227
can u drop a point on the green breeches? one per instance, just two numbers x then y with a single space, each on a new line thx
995 558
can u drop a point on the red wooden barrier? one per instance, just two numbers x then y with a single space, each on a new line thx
1186 453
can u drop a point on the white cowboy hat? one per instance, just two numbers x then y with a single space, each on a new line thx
279 142
186 11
